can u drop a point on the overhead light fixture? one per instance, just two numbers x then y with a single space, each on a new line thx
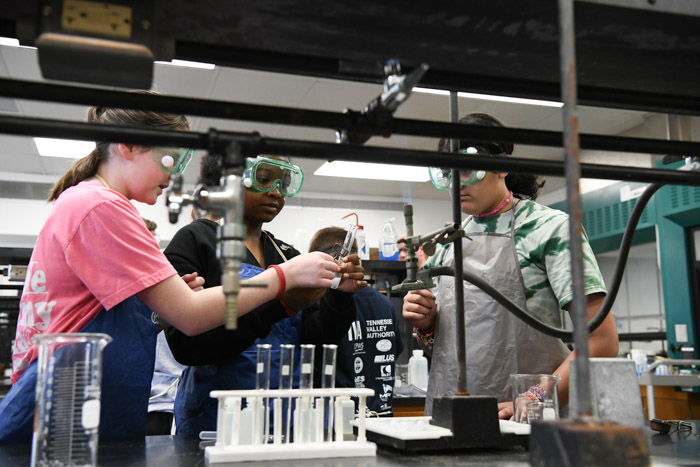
367 170
189 64
489 97
66 148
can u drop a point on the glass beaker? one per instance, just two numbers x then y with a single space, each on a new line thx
535 397
67 419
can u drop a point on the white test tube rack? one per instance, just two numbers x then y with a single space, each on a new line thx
228 447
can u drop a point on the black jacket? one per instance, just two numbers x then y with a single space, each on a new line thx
193 249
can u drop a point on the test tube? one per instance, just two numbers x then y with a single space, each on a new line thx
306 379
344 251
286 380
330 352
262 382
302 429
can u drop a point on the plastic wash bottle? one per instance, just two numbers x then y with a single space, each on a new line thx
418 370
388 249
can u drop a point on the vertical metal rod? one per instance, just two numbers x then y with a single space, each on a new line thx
567 55
458 263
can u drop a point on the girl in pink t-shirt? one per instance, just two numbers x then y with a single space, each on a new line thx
96 268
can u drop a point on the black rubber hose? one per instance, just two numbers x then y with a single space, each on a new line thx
600 315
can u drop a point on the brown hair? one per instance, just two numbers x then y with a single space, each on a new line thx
150 225
87 166
325 239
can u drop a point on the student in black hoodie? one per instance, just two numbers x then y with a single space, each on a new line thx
223 359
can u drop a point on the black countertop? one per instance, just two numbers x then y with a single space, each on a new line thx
679 448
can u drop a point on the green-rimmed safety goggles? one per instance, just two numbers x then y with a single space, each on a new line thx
442 177
173 161
263 174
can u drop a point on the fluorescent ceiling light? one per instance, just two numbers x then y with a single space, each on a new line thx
488 97
9 41
189 64
366 170
67 148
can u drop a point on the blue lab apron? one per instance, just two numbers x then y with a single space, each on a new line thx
127 369
195 410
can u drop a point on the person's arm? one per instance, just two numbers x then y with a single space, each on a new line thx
327 322
603 342
196 312
219 345
193 249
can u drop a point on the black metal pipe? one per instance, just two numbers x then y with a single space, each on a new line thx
642 336
27 126
332 120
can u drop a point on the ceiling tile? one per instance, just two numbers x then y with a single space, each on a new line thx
257 87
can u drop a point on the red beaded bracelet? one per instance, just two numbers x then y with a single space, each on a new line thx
427 338
283 282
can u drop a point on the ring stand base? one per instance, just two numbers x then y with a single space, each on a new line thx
578 444
459 422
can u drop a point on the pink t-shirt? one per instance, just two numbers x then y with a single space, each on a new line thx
93 252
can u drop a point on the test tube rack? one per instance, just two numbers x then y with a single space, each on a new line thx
309 440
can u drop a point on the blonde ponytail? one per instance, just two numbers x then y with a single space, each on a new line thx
79 170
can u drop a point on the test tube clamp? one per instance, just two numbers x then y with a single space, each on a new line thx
229 449
467 422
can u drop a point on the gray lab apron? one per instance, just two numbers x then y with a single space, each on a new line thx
498 343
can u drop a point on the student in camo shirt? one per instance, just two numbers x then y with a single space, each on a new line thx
522 249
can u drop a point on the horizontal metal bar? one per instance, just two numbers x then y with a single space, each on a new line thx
331 120
642 336
326 151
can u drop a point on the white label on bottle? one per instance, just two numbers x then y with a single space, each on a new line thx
261 367
91 414
329 369
306 368
285 370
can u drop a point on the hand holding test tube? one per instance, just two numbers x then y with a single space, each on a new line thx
344 251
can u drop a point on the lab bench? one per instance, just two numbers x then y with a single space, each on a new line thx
676 448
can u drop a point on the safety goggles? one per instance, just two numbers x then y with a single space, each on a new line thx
173 161
264 175
442 177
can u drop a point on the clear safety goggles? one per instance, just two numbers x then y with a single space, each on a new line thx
173 161
442 177
263 174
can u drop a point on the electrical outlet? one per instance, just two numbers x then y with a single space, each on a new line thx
97 18
17 273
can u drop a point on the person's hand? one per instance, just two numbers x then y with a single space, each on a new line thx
315 269
194 282
298 298
353 275
420 309
505 410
